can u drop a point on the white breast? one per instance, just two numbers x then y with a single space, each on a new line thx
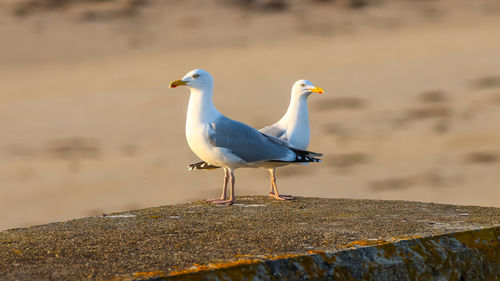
197 136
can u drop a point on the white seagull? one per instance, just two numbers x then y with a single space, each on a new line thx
226 143
293 127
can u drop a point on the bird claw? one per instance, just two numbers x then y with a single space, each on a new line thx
220 201
281 197
213 199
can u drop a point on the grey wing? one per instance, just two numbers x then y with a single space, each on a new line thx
290 146
274 130
247 143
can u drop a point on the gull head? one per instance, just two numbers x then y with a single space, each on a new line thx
198 79
305 88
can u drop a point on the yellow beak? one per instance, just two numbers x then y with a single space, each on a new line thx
177 83
317 90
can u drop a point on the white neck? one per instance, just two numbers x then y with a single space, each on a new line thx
201 107
296 119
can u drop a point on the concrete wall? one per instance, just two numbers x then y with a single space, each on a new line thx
469 255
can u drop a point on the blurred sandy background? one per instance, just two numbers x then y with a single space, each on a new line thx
88 124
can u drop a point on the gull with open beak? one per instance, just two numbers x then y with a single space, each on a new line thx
229 144
293 127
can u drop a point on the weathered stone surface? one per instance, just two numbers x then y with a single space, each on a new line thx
307 239
470 255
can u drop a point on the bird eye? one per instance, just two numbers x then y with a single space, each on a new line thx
302 85
196 76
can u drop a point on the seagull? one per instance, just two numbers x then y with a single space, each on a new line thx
226 143
293 127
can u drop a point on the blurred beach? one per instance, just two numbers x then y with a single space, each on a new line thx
89 125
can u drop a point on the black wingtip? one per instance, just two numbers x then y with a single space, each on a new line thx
201 166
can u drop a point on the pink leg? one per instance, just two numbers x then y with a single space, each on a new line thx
231 195
224 187
275 194
271 173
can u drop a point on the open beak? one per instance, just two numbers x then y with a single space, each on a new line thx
177 83
317 90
